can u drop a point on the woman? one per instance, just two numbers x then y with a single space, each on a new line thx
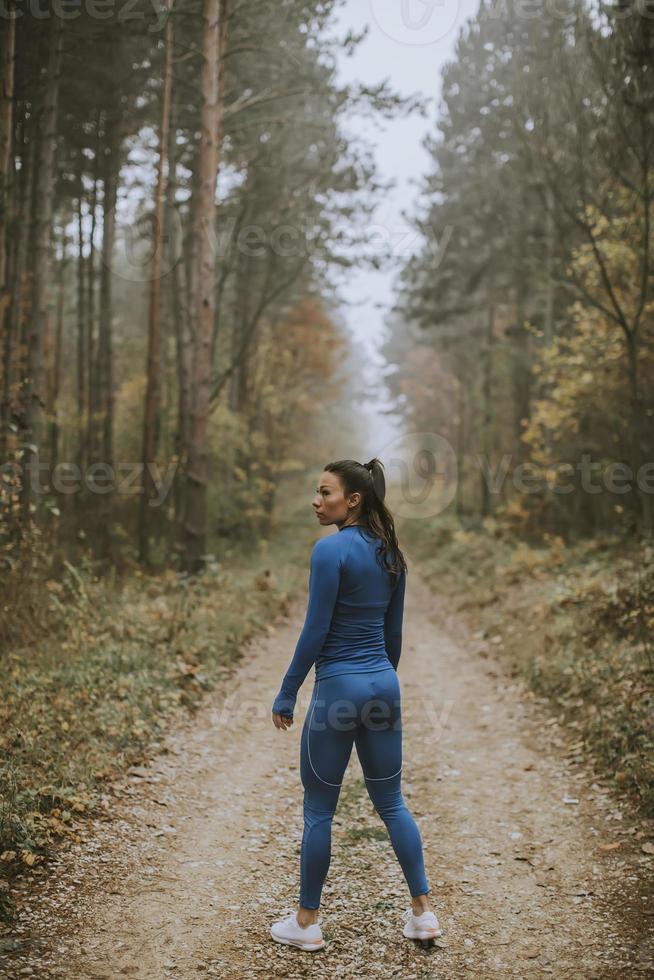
353 633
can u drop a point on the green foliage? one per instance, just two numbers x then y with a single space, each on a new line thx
534 285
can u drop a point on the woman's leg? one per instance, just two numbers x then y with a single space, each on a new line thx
379 747
325 749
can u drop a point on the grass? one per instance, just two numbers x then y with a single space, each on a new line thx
367 833
576 622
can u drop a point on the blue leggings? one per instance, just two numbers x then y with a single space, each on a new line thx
364 709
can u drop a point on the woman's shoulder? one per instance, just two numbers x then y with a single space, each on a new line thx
332 546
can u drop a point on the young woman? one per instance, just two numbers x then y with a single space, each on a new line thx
353 634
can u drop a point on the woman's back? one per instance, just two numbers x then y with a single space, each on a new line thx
354 615
356 639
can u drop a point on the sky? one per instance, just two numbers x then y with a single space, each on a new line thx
408 43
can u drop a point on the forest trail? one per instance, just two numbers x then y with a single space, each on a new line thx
204 855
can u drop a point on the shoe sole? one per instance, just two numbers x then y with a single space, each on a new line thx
423 933
307 947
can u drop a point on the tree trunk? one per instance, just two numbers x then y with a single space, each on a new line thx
487 394
179 299
461 441
94 412
152 408
57 365
33 391
548 311
105 338
204 297
82 357
17 276
520 370
7 68
183 343
238 381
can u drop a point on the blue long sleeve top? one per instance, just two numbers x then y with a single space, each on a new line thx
354 615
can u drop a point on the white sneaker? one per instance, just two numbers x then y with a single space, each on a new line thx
423 926
289 931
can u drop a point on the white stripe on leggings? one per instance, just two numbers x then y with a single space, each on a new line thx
377 778
309 742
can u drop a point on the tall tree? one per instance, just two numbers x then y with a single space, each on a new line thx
196 474
41 234
7 68
152 407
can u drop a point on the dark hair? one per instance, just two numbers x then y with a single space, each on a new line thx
368 479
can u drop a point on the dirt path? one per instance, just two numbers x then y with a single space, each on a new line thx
205 853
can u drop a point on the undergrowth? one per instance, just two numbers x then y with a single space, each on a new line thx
575 621
83 702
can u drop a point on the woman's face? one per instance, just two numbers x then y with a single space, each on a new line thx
330 504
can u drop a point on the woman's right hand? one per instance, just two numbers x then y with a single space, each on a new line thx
281 721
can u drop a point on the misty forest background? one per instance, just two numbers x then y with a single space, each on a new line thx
181 193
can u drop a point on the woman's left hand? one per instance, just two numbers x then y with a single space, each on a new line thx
280 721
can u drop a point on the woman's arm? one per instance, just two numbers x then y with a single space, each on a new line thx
324 578
393 621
